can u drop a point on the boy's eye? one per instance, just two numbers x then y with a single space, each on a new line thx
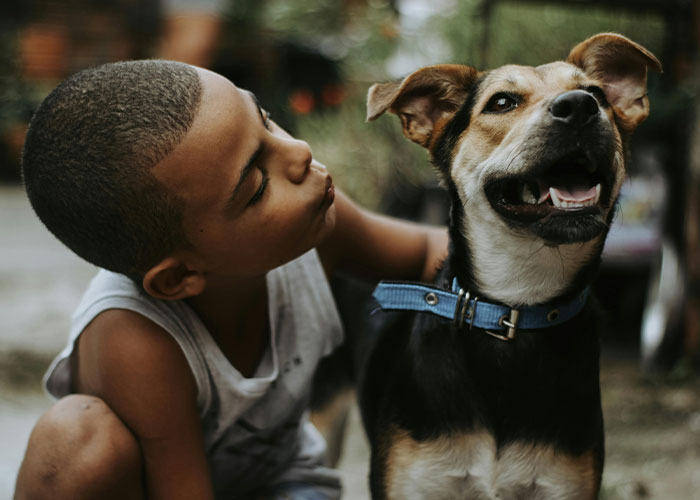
261 190
266 118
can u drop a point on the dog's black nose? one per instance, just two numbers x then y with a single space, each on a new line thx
576 108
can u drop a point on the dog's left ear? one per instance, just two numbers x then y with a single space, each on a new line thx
424 100
621 65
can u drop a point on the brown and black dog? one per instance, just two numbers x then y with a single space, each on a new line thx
533 158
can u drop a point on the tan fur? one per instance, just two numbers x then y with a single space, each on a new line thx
470 465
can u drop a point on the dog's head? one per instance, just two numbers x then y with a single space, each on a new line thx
533 155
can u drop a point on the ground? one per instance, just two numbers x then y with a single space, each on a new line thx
652 433
652 427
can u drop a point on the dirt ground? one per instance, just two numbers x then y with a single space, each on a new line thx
652 432
652 428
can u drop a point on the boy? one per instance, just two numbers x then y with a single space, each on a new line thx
190 360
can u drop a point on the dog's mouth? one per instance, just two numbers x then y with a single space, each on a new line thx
571 186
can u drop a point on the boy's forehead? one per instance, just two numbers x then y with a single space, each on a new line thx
216 87
218 129
223 105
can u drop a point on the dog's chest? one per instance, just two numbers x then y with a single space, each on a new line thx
469 466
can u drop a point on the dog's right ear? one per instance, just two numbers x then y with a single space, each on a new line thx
424 100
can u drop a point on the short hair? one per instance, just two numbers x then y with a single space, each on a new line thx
88 155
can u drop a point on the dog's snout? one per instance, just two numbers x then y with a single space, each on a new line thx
576 108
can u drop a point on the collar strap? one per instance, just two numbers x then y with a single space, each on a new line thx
458 306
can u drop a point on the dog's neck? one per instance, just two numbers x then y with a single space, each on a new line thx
517 270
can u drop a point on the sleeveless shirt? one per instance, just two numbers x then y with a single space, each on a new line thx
256 430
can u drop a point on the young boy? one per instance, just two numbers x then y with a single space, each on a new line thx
189 364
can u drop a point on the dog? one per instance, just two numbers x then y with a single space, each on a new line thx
486 383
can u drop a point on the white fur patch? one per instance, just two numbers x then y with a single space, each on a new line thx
469 466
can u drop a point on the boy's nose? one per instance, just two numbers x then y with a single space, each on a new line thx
299 160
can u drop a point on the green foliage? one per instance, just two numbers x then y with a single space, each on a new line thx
361 36
462 28
300 19
535 33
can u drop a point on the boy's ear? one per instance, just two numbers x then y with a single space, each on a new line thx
173 279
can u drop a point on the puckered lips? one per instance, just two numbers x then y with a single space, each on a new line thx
570 186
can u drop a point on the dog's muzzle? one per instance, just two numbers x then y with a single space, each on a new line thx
572 184
565 191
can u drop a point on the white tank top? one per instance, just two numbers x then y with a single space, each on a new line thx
256 431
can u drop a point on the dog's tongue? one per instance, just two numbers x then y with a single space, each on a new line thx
573 190
576 194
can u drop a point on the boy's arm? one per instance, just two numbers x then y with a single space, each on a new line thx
379 247
139 371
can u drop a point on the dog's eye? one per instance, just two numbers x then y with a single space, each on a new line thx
501 103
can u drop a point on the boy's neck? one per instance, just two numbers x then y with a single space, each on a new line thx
235 313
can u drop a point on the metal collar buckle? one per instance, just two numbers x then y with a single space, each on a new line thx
461 309
511 322
462 312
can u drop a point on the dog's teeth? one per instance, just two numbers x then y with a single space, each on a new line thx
555 199
597 194
528 196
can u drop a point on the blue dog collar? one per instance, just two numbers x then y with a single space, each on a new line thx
458 306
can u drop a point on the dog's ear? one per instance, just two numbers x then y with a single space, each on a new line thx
424 100
621 65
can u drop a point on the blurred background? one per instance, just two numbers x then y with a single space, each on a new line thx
310 62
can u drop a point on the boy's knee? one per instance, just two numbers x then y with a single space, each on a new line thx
78 449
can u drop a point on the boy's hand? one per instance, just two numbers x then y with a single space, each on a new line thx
379 247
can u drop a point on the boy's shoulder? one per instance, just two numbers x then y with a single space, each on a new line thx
123 345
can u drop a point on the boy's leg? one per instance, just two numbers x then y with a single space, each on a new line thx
80 449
